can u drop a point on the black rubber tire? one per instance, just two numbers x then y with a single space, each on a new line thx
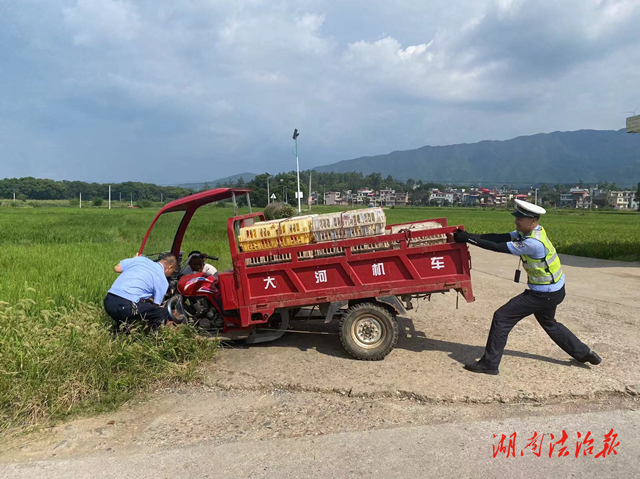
359 315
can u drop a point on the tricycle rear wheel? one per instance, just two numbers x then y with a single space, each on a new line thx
368 331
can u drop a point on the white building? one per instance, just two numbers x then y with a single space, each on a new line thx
622 200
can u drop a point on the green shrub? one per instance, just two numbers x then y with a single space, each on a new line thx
74 202
144 204
97 201
277 210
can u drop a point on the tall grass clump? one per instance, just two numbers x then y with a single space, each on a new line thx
276 211
59 360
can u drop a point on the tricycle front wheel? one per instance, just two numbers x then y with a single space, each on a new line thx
368 331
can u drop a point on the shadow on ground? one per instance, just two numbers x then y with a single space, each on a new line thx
417 341
409 339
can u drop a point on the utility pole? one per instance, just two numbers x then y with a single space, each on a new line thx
109 196
310 199
14 196
536 197
268 193
131 200
121 197
298 193
81 199
161 198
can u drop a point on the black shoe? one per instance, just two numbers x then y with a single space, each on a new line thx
481 367
592 358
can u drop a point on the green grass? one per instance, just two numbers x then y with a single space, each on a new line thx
58 361
606 235
67 253
57 356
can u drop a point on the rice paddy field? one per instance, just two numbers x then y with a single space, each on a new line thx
57 354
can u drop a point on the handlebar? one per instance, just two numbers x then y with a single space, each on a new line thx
214 258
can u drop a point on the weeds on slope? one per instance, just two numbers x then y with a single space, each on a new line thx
59 360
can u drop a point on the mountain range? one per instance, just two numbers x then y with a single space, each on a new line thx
558 157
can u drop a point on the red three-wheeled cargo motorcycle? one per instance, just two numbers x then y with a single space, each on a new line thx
361 282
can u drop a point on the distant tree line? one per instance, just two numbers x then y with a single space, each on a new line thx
282 185
45 189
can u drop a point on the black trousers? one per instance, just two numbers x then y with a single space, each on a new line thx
123 311
543 307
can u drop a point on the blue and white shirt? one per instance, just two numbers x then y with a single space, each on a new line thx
141 278
536 249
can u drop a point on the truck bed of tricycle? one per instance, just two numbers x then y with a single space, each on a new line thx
387 265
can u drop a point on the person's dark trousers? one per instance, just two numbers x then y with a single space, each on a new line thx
122 311
543 307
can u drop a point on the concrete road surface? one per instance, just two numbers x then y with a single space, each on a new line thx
449 450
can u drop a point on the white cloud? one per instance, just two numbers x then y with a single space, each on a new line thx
98 21
212 78
282 31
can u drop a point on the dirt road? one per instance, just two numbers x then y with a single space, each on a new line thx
306 385
602 308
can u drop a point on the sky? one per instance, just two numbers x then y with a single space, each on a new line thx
196 90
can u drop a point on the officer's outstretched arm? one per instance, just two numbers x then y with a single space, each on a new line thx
490 245
497 237
462 236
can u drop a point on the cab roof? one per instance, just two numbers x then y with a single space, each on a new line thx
196 200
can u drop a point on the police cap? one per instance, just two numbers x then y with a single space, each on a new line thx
525 209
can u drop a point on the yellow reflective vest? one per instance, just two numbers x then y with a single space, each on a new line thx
547 270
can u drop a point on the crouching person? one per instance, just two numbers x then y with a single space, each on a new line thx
140 279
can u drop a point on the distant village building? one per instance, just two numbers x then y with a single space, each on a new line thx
485 197
333 198
364 196
402 199
441 198
470 199
566 200
389 197
580 198
622 200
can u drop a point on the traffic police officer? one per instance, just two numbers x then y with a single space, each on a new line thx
545 293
